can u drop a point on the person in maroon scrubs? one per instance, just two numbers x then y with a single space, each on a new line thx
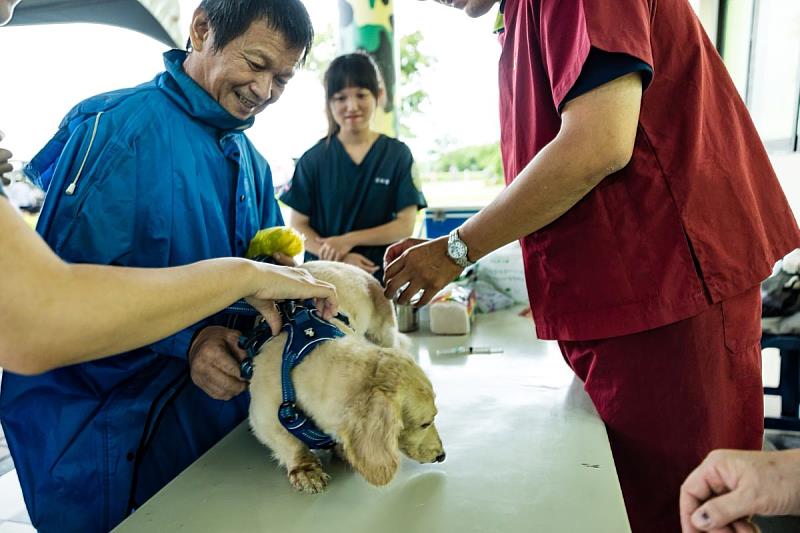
648 214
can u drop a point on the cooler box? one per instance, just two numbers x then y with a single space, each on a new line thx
442 220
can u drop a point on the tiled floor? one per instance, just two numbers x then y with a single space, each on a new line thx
14 517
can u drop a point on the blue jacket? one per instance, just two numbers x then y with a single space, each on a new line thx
164 177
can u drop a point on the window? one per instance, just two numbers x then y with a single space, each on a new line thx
760 43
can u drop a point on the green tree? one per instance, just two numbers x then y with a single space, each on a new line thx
413 66
322 52
481 158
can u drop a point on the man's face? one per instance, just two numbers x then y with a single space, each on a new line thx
249 73
473 8
7 10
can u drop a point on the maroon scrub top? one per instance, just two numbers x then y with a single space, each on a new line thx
696 217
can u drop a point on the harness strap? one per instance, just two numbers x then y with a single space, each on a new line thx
305 330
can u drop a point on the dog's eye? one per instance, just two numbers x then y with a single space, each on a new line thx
425 425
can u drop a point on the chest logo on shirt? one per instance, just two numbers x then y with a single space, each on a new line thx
382 181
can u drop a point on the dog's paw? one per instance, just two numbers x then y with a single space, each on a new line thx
309 478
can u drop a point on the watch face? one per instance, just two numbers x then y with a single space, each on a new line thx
457 249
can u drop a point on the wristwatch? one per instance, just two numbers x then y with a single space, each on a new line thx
457 250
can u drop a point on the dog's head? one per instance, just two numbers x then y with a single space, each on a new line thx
394 413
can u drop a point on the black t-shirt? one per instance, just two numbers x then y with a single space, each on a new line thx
339 196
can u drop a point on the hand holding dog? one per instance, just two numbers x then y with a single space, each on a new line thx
422 264
273 282
214 359
731 485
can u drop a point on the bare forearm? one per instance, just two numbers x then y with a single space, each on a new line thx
554 181
141 305
596 139
54 314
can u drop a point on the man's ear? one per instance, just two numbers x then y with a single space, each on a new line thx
200 33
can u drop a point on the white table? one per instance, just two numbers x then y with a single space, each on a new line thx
526 452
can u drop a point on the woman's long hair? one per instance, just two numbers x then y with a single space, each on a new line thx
350 70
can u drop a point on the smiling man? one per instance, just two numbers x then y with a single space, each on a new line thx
154 176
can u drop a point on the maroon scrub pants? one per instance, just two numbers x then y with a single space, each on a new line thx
670 395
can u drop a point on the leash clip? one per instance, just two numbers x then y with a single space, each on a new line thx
246 368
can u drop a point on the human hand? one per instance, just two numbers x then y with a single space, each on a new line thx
731 485
214 359
5 165
423 265
284 260
396 250
335 248
273 282
361 262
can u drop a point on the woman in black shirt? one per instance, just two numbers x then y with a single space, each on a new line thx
354 193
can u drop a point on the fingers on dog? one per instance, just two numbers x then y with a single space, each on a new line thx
272 317
326 307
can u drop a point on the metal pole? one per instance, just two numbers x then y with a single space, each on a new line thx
368 25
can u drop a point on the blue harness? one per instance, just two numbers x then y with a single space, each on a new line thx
306 330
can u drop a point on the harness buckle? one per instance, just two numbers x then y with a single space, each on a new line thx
246 368
287 412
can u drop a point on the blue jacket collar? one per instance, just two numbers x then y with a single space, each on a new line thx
192 98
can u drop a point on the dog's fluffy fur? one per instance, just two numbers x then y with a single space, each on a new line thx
363 389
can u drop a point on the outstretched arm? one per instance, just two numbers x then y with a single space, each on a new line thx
54 314
596 139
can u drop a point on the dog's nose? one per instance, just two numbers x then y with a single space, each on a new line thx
440 457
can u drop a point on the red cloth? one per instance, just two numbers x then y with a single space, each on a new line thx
670 395
621 260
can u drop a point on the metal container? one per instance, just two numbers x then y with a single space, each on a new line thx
407 318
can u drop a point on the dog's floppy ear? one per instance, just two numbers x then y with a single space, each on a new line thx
370 439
